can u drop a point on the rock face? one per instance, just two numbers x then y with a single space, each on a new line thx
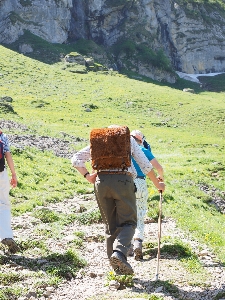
191 35
48 19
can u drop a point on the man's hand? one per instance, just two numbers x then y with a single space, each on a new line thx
13 181
162 186
158 184
160 178
91 177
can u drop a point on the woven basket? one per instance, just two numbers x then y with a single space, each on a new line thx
110 148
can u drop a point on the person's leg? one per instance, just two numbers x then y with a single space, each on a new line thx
117 203
126 222
141 202
107 207
6 233
126 212
5 214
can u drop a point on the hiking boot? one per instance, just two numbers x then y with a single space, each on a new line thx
130 251
138 255
117 271
118 259
11 244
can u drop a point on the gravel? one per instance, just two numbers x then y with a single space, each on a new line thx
175 282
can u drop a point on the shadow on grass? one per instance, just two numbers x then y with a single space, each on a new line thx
166 288
166 198
168 251
48 53
61 265
42 50
207 83
7 108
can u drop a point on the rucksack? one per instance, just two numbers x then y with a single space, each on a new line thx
147 145
110 148
2 156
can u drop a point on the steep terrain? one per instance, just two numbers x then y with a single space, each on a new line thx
95 281
145 36
48 112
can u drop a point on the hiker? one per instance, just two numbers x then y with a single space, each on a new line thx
114 186
6 234
142 194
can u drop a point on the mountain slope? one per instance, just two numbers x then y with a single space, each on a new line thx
44 109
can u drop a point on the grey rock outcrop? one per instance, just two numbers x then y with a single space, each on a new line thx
197 37
75 58
49 20
191 35
25 48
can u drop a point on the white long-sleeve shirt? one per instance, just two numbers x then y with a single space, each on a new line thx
81 157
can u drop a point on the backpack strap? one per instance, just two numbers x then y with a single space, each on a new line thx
2 156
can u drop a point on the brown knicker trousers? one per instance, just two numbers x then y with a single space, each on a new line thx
116 199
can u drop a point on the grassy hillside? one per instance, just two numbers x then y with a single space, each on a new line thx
186 132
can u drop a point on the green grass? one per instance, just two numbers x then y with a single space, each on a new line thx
123 280
216 3
186 132
220 295
155 297
53 53
90 217
9 293
7 279
46 215
31 244
55 268
64 265
215 84
184 253
43 178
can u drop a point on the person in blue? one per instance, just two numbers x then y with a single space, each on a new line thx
142 193
146 144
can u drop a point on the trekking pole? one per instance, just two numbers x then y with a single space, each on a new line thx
159 233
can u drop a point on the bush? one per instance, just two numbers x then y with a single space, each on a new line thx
65 265
46 215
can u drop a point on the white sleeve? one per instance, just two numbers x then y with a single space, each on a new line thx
140 157
81 157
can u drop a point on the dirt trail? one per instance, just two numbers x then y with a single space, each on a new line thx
174 281
90 282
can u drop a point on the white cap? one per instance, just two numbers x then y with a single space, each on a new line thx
138 134
114 126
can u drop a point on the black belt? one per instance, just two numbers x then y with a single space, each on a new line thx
115 172
141 177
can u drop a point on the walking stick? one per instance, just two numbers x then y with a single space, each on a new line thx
159 233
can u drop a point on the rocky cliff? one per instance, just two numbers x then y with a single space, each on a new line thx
191 36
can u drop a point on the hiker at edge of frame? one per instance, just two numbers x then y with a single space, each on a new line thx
6 233
110 153
142 194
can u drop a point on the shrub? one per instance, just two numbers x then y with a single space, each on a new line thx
46 215
124 280
90 217
65 265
